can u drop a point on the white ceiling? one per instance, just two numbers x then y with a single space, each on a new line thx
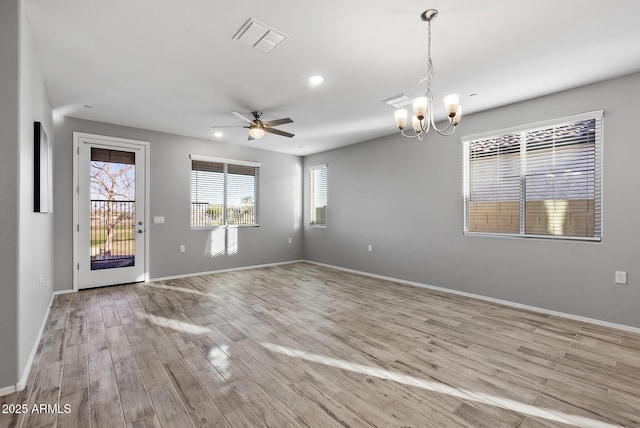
173 66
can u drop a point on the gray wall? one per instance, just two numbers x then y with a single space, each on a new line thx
280 196
9 48
36 229
405 198
26 237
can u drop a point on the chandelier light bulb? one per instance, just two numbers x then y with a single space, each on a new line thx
451 103
456 119
420 107
400 115
417 123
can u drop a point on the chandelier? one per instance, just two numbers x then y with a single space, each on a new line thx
422 120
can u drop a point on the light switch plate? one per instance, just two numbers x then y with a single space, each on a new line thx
158 219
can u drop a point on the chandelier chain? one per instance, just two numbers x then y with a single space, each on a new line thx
430 71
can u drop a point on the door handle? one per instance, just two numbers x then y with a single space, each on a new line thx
140 231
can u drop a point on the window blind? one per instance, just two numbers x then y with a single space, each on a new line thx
223 193
318 195
242 194
541 180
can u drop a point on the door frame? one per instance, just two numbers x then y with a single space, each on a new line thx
103 139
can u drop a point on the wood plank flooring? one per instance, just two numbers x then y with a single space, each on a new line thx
301 345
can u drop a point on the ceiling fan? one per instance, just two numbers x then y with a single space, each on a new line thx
257 128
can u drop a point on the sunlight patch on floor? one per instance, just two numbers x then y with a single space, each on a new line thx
177 325
478 397
220 360
180 289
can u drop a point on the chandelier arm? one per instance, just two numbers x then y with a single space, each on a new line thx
427 120
438 130
404 134
444 131
446 134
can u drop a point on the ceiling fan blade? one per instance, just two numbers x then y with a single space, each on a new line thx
277 122
229 126
278 132
241 116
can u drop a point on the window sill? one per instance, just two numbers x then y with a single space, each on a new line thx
545 237
231 226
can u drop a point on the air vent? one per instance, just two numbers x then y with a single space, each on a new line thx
260 36
398 100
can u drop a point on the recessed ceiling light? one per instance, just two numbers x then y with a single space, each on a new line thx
218 134
316 79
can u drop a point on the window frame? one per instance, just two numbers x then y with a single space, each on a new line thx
312 208
226 163
596 115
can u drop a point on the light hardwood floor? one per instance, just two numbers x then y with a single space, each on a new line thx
305 345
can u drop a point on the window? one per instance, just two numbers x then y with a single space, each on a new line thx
223 192
318 179
540 180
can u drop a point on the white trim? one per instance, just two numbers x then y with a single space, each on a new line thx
7 390
532 236
75 214
324 165
188 275
488 299
596 114
117 142
206 158
22 383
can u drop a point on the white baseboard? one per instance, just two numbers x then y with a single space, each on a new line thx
7 390
188 275
22 383
487 299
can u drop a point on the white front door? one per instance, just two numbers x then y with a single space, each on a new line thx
110 210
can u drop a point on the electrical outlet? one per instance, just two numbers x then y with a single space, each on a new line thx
370 248
44 283
183 248
290 240
621 277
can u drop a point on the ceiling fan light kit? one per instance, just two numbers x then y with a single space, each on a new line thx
256 132
422 119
